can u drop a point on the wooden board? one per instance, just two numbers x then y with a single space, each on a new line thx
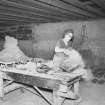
34 80
31 78
42 80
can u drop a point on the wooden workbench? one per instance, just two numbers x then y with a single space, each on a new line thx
36 80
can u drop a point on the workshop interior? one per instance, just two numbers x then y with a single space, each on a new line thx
52 52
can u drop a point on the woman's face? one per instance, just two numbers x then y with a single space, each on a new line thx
68 36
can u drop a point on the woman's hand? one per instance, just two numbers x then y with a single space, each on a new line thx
57 49
67 52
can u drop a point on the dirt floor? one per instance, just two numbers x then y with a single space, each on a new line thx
92 94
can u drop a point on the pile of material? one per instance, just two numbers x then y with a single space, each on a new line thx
73 61
11 51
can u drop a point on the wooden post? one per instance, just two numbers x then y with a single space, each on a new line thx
57 100
12 87
43 96
1 86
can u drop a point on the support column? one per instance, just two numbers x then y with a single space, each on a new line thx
57 100
1 86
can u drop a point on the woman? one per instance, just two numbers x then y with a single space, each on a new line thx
62 48
68 58
65 56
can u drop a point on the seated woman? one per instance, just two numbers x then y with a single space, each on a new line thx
61 48
68 58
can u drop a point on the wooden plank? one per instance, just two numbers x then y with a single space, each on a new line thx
56 4
9 16
43 95
33 14
57 100
34 9
55 76
29 16
67 12
84 7
26 72
23 4
45 7
67 7
10 20
4 25
13 23
35 80
6 18
12 87
1 85
31 9
100 3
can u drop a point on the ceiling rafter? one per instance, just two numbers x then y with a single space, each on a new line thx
12 9
54 6
12 12
12 17
3 25
16 25
25 16
84 7
13 24
21 6
43 5
16 20
37 6
67 7
100 3
13 21
33 14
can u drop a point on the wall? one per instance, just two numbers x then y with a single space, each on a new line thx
27 47
96 33
20 32
46 36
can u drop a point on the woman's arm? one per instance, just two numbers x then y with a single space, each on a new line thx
58 49
65 51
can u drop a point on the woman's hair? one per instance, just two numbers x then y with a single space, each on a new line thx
69 31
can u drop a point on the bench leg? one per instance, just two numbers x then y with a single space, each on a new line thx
1 87
76 88
43 96
57 100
